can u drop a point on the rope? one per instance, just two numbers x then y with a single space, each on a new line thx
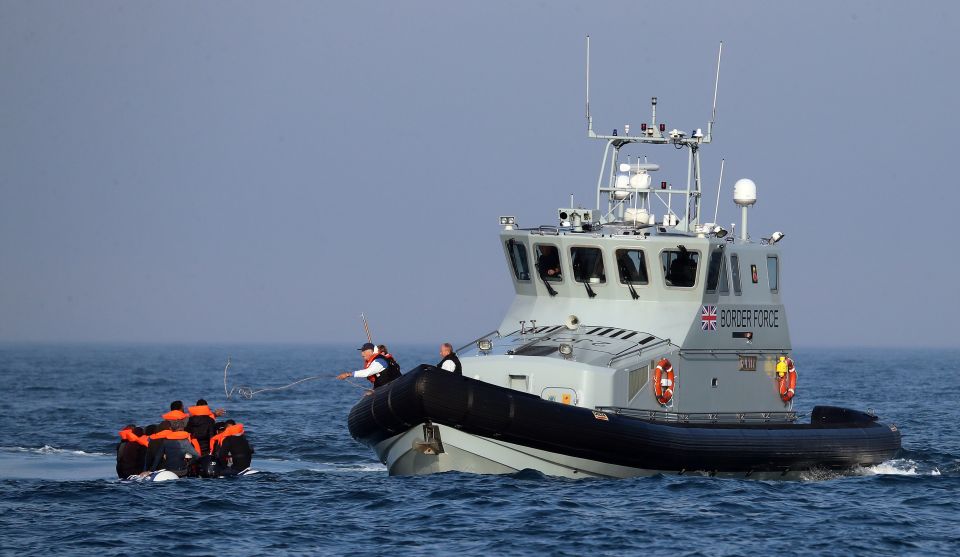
248 393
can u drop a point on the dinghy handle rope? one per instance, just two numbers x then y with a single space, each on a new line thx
248 392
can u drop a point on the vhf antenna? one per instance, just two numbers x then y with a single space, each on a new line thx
589 119
716 208
716 86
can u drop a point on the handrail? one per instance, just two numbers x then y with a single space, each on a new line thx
702 417
637 350
734 351
475 341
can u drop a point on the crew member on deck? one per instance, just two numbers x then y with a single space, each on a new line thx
374 366
449 360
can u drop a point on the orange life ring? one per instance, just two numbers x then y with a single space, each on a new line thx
787 382
663 381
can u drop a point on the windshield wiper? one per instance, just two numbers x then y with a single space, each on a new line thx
633 291
590 291
545 283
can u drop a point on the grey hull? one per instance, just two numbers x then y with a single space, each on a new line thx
406 455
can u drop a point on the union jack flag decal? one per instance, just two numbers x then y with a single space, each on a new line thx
708 318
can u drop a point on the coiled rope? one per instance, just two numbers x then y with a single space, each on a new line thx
246 392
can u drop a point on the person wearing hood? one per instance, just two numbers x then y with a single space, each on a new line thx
176 448
155 435
202 424
131 451
232 448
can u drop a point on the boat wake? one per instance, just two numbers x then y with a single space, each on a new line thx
57 464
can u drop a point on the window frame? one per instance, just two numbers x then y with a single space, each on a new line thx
720 252
522 247
664 272
603 265
775 288
643 260
557 279
735 274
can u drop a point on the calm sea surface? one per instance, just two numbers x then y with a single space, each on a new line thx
323 493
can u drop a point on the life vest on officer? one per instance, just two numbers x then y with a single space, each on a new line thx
391 369
452 357
663 381
175 415
786 378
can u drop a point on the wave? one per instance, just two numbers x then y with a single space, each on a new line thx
48 449
899 467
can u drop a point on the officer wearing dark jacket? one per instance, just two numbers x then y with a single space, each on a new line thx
450 361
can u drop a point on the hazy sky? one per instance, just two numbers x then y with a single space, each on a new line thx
266 171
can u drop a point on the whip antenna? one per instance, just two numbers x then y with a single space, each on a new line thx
716 86
366 328
719 185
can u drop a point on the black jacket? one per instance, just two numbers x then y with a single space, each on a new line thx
130 459
172 455
202 428
239 449
452 357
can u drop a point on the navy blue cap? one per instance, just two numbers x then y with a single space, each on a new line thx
367 346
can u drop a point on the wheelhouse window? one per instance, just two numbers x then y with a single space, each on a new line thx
548 262
680 266
518 258
773 272
587 265
735 269
715 271
632 265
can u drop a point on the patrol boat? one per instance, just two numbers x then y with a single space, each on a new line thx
640 340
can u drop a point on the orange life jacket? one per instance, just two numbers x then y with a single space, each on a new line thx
368 361
200 411
130 437
177 435
175 415
236 429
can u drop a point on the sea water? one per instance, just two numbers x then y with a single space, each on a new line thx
321 492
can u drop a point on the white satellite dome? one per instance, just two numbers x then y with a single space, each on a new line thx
744 192
640 181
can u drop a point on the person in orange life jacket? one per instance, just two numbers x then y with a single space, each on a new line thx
202 424
374 366
232 448
176 412
393 366
449 360
176 448
131 451
155 435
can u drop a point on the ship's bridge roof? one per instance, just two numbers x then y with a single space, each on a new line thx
592 345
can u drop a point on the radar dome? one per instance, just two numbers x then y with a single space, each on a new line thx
744 192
